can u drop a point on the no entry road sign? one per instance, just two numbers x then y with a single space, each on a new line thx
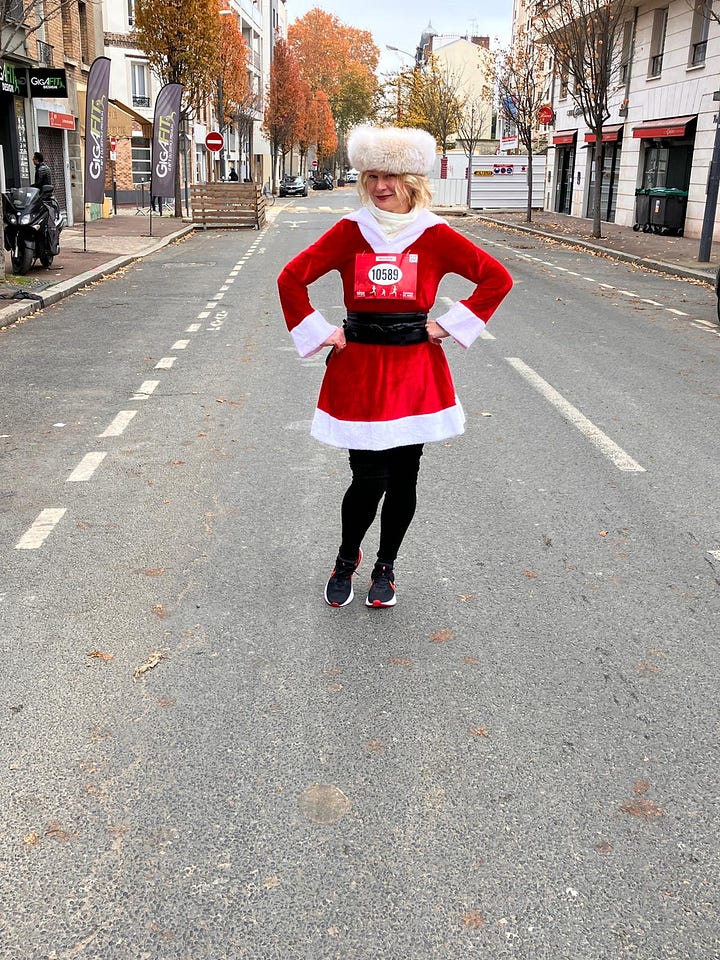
214 141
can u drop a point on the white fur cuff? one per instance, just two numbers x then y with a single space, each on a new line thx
462 324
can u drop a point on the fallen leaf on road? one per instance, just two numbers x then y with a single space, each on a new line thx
644 809
473 919
479 731
530 574
152 661
603 533
465 597
400 662
101 655
270 883
155 572
32 839
441 636
160 611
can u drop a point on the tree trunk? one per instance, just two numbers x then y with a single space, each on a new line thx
528 215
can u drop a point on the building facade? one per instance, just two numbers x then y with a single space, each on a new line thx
661 131
45 58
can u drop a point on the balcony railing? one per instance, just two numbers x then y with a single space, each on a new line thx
141 101
44 53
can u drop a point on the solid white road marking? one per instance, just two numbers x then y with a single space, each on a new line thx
119 424
41 529
588 429
164 363
180 345
86 468
146 388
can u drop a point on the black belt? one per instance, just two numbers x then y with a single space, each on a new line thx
389 329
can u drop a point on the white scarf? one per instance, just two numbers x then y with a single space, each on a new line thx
392 223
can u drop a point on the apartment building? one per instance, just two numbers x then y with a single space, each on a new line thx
664 107
134 89
45 56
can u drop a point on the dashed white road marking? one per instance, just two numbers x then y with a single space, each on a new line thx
203 314
653 303
678 313
208 306
40 529
180 345
118 425
87 467
165 363
146 388
594 434
628 293
193 328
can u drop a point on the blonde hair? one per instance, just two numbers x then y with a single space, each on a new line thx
413 187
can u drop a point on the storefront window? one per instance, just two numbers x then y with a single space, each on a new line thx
656 167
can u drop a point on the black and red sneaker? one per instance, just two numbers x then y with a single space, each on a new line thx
338 590
382 589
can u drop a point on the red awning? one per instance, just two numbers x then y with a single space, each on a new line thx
565 136
609 134
661 129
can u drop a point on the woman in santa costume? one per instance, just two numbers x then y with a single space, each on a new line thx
387 388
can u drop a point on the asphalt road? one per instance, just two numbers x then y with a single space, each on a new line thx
201 760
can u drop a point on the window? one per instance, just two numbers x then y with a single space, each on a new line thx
702 15
85 53
131 12
564 80
141 165
139 79
15 11
657 44
626 56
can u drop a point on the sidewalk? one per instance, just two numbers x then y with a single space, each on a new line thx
667 254
111 244
117 241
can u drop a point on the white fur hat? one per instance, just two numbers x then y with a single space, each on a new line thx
391 150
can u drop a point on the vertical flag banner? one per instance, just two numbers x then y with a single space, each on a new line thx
96 125
166 127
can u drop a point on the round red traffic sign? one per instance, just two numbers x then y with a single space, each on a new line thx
113 143
314 164
214 141
546 114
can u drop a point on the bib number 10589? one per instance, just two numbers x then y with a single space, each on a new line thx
386 276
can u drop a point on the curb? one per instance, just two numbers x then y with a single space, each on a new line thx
57 292
660 266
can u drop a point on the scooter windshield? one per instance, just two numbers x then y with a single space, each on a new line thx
21 197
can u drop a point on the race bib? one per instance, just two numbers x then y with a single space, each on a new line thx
386 276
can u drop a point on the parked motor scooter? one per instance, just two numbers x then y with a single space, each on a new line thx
32 224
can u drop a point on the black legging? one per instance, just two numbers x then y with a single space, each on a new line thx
391 472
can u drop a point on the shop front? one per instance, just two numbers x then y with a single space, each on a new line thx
14 138
666 152
565 142
611 151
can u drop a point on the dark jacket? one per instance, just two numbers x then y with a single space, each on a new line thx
42 176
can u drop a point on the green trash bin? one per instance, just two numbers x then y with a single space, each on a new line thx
642 210
667 209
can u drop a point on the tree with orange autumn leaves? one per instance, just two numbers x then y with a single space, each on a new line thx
322 83
233 69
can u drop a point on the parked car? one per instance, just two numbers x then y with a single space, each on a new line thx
351 176
291 186
323 182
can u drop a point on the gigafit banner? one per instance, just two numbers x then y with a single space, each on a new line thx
166 127
96 126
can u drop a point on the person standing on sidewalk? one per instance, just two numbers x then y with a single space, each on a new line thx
43 177
387 388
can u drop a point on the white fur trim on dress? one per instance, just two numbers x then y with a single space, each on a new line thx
392 150
311 333
373 234
461 323
385 434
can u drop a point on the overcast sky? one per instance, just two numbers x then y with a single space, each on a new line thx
400 24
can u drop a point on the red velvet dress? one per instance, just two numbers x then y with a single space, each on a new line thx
374 397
